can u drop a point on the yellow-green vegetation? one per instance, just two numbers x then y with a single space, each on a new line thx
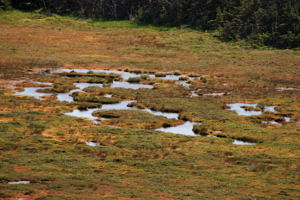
135 119
190 109
40 144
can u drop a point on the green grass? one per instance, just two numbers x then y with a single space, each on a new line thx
39 19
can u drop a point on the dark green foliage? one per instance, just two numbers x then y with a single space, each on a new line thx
4 4
269 22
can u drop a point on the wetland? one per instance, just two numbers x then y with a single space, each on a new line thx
115 110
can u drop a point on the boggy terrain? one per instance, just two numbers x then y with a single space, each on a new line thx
112 110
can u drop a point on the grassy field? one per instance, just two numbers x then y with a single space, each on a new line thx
40 144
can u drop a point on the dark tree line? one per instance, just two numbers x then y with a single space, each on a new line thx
264 22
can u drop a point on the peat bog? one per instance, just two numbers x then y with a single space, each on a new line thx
110 110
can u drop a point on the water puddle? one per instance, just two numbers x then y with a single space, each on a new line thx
18 182
118 106
288 119
184 129
66 96
89 112
92 144
216 94
164 114
126 85
32 92
281 89
241 109
240 142
83 113
183 83
194 94
171 77
82 86
270 109
108 96
271 123
42 83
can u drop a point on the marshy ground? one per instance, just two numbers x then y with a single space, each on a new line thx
181 72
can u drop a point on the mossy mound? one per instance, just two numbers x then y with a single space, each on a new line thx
135 119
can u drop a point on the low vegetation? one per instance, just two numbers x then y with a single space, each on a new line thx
135 119
38 143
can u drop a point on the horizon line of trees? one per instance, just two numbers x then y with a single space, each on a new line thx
261 22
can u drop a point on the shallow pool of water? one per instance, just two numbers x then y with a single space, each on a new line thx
240 142
184 129
281 89
81 86
194 94
118 106
83 113
66 96
89 112
271 122
43 83
127 85
288 119
183 83
92 144
18 182
215 94
164 114
269 109
171 77
237 107
32 92
108 95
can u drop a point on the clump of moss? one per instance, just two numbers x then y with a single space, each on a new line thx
194 75
63 87
250 108
190 116
160 75
184 78
87 105
135 119
134 80
145 77
200 130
